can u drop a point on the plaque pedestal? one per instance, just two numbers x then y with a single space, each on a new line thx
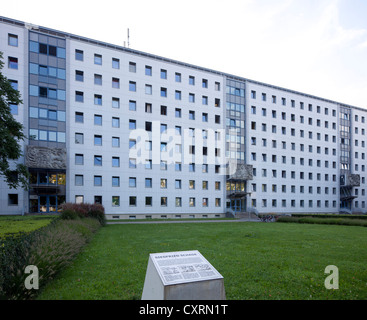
184 275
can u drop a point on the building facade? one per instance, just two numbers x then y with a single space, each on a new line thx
147 136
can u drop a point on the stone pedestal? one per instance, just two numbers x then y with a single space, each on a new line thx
183 275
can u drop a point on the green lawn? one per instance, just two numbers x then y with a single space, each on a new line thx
15 224
257 260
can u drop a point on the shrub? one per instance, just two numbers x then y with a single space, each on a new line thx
331 220
50 249
83 210
69 214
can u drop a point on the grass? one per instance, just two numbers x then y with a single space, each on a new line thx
15 224
257 260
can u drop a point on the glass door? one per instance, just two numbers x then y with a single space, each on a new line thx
45 204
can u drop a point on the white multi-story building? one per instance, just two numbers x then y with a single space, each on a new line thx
147 136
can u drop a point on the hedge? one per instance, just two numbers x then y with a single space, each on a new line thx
317 220
71 211
50 249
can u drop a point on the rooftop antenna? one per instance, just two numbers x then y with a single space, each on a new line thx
128 38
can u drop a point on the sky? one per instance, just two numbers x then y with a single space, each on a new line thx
318 47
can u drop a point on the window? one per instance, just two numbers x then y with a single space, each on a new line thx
191 115
148 145
148 108
205 83
163 128
79 75
132 163
191 167
178 95
148 89
192 80
191 97
192 202
13 108
148 201
164 92
79 199
178 202
163 110
13 63
115 63
97 119
98 79
205 202
115 122
115 181
148 126
132 182
79 180
132 66
148 70
163 183
132 105
177 184
79 159
98 181
79 96
132 86
79 138
116 161
163 146
115 142
178 77
217 86
178 113
178 130
12 40
98 99
148 183
79 117
132 124
164 201
205 117
97 140
132 201
132 144
98 59
116 83
116 103
163 74
79 55
12 199
115 201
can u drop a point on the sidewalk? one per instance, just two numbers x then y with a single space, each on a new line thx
181 221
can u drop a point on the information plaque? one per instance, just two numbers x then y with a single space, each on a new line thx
182 275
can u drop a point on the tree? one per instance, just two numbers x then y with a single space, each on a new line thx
11 133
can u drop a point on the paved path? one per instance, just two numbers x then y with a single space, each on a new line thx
180 221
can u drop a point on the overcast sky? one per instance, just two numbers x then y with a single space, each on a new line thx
317 47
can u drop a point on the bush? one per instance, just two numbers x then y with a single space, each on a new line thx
50 249
331 220
83 210
69 214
